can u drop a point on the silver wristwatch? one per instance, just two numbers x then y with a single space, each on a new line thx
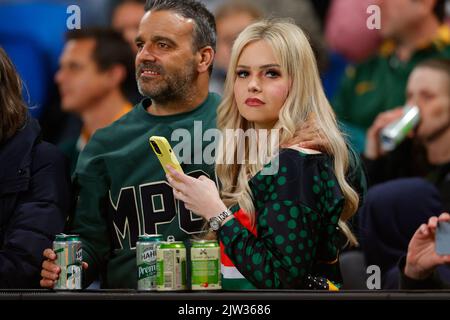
214 222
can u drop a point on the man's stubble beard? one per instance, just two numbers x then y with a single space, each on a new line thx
174 87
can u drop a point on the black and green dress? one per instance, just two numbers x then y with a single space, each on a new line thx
294 241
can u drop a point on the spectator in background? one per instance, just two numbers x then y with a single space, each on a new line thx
126 18
96 68
34 187
427 153
395 209
346 30
231 18
414 32
348 38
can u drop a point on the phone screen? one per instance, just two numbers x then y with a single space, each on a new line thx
443 238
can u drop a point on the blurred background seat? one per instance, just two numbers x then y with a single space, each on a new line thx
32 33
353 269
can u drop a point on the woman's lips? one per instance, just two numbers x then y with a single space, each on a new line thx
253 102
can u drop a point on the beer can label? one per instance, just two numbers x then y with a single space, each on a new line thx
171 269
146 264
205 263
69 257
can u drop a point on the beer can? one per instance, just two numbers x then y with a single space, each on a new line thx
69 257
394 133
205 265
171 265
146 261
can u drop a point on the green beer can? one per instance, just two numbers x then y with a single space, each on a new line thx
205 265
171 265
69 257
146 261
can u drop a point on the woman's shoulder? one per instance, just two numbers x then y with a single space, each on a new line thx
304 151
300 176
295 162
296 155
296 167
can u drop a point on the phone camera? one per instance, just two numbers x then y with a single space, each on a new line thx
155 146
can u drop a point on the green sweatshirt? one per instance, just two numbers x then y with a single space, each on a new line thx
123 191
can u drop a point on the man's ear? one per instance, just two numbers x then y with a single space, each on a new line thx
116 74
205 59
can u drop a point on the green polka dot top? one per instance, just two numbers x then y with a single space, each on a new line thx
297 213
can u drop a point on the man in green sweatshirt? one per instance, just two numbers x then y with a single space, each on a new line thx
122 189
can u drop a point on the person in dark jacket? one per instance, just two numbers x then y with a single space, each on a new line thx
34 187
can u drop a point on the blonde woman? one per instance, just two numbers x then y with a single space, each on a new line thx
281 229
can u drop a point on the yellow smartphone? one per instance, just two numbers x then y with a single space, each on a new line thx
164 152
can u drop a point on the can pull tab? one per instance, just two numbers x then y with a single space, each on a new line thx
170 239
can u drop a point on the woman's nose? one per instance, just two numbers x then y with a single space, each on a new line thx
254 85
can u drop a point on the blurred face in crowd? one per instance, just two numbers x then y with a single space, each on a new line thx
79 80
228 28
126 19
165 63
429 89
260 88
401 16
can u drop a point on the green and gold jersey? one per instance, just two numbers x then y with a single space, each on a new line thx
123 191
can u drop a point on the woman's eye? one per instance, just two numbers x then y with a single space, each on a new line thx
242 74
272 74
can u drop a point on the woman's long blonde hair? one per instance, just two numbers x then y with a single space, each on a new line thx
306 101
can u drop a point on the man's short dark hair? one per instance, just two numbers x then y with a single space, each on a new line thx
110 49
439 64
439 10
205 24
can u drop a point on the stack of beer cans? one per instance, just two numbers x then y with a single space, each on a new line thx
162 265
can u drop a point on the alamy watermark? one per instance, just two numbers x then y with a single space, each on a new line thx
252 146
373 281
374 20
74 19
